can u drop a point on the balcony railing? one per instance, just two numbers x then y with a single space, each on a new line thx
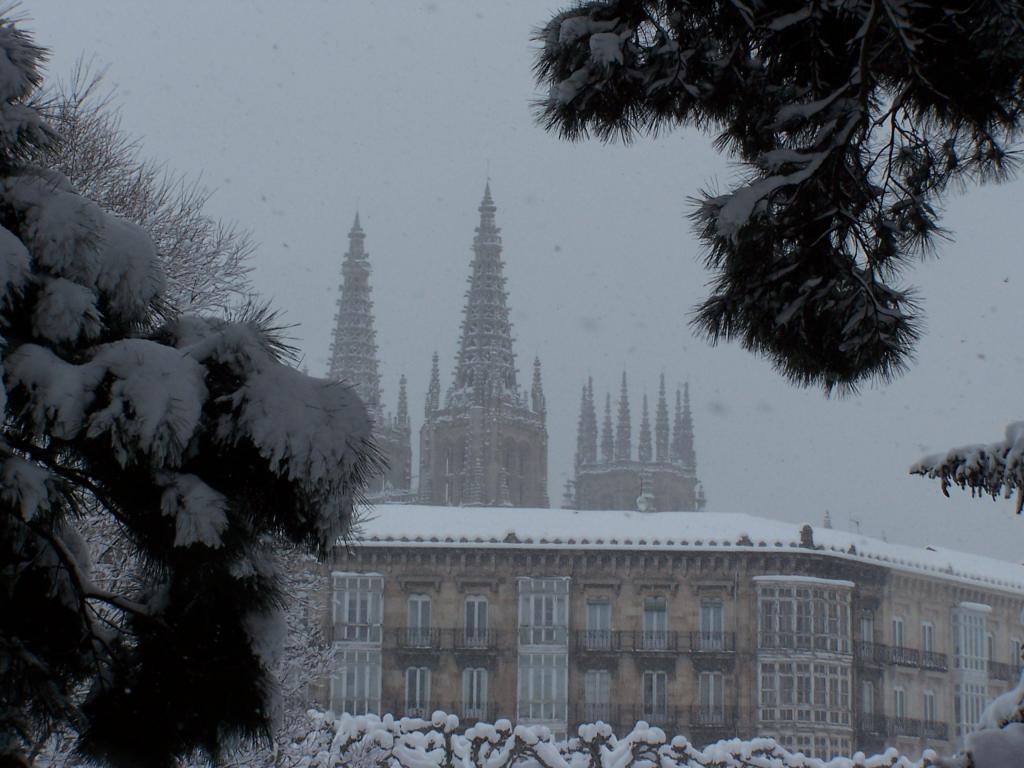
887 725
934 661
474 639
904 657
605 712
722 642
477 712
655 640
931 729
713 716
872 652
667 718
904 726
598 640
999 671
422 638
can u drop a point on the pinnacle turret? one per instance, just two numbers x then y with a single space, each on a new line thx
581 431
661 435
643 447
485 357
434 390
607 436
402 416
687 454
590 427
354 348
623 429
538 403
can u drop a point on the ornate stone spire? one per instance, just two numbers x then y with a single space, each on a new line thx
538 402
590 430
676 453
687 454
434 390
623 430
661 424
581 431
643 447
402 417
485 357
607 436
354 348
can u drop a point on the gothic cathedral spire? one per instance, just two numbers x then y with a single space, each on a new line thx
661 424
623 430
354 348
607 436
486 364
643 447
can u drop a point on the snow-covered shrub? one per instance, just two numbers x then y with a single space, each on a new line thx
193 438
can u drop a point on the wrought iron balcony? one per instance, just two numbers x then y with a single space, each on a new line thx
655 640
474 712
473 639
931 729
715 642
669 719
904 726
999 671
713 716
934 661
872 653
418 638
904 657
598 640
604 712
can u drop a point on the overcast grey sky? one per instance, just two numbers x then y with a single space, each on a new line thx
296 113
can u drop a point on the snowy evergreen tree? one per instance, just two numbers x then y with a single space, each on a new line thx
193 436
852 119
205 261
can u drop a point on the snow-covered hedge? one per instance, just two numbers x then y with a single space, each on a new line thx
372 742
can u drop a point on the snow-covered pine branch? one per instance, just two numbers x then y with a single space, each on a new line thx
850 120
195 438
991 469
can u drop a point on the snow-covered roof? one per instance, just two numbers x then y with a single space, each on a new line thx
413 525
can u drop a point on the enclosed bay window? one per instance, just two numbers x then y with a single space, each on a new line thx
805 617
543 611
356 607
543 686
970 650
810 692
355 682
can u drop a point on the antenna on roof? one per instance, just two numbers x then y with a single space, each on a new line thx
853 521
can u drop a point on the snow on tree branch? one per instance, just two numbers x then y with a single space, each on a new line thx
851 121
992 469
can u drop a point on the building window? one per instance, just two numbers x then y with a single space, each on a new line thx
899 703
969 702
1015 651
597 686
417 692
711 695
867 698
970 650
927 637
809 692
475 629
897 632
804 618
867 626
823 746
543 683
355 682
418 629
655 628
474 693
543 611
990 646
712 624
598 635
356 608
928 707
655 696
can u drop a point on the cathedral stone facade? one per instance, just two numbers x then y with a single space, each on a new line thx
354 362
662 477
486 444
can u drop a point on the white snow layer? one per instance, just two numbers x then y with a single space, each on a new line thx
199 512
414 525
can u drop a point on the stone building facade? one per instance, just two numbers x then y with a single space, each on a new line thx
486 444
663 475
354 362
708 625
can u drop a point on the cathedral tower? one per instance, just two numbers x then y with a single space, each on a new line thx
354 361
486 445
662 478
